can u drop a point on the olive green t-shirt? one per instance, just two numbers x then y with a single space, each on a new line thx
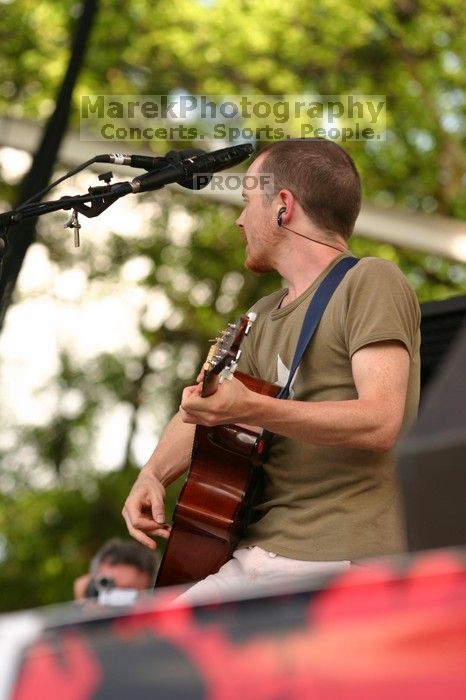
330 503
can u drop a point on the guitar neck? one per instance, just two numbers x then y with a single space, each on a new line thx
223 356
209 383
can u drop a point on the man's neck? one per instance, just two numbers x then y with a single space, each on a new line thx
300 268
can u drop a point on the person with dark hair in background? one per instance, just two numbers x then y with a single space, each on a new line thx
120 565
330 495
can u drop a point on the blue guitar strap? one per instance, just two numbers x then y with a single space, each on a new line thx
314 313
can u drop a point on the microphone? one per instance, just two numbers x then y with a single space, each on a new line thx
184 172
147 162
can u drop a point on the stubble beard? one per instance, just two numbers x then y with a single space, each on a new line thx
258 266
261 260
258 262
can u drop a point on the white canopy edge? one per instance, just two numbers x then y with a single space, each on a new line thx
438 235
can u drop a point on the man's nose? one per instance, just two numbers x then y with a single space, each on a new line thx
239 220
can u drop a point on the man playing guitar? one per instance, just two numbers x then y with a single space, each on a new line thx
330 495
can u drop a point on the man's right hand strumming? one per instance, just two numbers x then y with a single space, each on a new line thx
144 510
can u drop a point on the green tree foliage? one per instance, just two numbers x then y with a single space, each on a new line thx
58 506
48 537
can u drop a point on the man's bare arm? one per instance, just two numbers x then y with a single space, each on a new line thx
372 421
144 509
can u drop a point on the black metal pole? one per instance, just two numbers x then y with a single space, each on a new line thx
44 159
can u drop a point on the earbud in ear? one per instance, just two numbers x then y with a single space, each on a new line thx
280 216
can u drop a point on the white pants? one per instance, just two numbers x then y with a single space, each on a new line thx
253 567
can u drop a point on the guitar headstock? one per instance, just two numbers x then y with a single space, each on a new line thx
222 360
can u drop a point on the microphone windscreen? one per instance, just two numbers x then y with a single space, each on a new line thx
193 182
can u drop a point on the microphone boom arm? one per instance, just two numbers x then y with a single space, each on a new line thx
100 198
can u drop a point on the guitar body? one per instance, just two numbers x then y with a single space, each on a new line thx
216 498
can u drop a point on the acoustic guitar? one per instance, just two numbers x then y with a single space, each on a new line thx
222 482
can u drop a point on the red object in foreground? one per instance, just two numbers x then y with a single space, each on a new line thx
395 631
